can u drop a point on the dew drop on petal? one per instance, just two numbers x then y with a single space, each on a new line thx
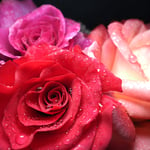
21 139
57 146
100 105
39 88
98 70
70 90
66 132
67 141
132 59
114 107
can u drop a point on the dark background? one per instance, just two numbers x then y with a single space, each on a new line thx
94 12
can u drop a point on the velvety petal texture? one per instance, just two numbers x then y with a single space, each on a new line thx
28 25
58 101
44 24
9 13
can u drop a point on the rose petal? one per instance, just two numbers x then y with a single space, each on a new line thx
37 66
93 51
54 71
142 136
104 129
115 32
6 50
3 138
131 28
34 28
18 135
69 138
99 34
88 139
123 130
9 11
137 89
136 108
140 40
80 39
143 57
47 10
7 73
108 53
109 81
29 117
87 65
72 28
122 68
122 123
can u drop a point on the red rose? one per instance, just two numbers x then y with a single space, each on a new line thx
55 99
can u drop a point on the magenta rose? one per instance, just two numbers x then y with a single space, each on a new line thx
45 24
56 99
10 11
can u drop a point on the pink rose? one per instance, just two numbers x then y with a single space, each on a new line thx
124 48
10 11
45 24
57 99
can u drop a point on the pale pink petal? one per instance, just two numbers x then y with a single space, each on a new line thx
140 40
137 89
123 69
93 51
137 109
108 53
131 28
143 57
115 31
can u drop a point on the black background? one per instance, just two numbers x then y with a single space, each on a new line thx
94 12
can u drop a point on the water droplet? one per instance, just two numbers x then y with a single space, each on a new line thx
132 59
70 90
100 105
67 141
39 88
21 139
57 146
66 132
95 110
114 107
61 120
48 106
98 70
39 46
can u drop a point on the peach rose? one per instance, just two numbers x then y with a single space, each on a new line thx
124 47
